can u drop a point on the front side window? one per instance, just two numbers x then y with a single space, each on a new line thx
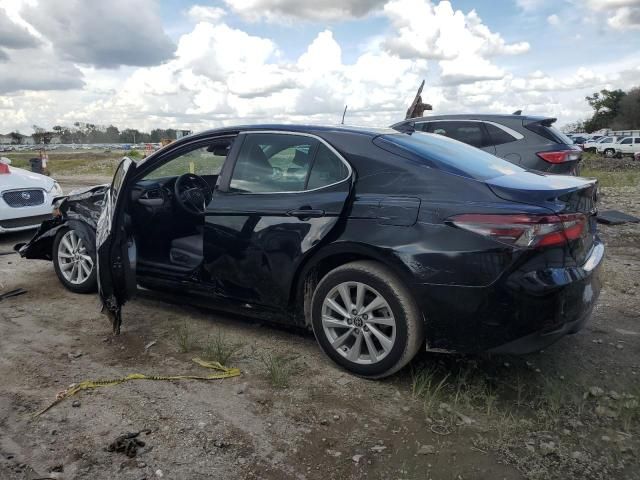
467 132
203 161
626 141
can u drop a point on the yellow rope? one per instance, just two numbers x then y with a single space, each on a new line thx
225 372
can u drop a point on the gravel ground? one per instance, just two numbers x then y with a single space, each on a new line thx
567 412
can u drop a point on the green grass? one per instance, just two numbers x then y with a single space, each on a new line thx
184 338
279 369
219 349
623 178
71 163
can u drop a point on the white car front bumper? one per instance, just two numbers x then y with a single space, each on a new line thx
14 218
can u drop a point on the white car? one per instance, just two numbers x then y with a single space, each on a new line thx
628 146
606 146
25 198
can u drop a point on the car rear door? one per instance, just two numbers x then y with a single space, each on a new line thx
276 201
115 247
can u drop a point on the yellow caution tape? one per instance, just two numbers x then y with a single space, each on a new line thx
225 372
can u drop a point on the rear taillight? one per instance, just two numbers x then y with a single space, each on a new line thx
4 168
522 230
560 156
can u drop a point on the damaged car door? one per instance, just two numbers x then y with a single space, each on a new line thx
116 248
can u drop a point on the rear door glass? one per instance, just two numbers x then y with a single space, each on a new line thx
471 133
498 136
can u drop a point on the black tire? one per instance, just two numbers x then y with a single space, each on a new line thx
88 285
609 153
409 326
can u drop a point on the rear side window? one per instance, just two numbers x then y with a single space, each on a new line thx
327 169
637 140
450 156
498 136
471 133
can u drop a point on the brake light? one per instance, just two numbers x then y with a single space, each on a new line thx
4 168
559 156
522 230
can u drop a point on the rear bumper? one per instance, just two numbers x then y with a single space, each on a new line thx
521 314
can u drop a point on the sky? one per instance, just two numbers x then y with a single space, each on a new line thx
197 65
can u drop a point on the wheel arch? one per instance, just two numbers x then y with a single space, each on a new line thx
315 267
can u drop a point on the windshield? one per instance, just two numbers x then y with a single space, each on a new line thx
452 156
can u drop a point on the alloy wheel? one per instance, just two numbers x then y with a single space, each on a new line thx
73 259
358 322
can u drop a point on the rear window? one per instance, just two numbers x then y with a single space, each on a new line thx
550 133
451 156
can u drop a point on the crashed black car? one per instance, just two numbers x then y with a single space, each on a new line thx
378 240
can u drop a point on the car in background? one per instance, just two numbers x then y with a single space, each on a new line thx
591 144
628 146
579 140
381 242
530 142
25 198
607 146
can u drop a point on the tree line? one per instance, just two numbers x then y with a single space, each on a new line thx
91 133
613 109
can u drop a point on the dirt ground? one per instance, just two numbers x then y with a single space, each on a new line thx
568 412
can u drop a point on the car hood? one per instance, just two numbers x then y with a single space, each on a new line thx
19 178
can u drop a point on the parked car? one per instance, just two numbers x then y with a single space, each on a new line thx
607 147
379 241
579 140
531 142
628 146
591 144
25 198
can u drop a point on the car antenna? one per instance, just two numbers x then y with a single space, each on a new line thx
343 114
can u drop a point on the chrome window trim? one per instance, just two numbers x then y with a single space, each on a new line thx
510 131
301 134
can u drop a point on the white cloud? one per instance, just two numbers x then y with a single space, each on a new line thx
553 19
202 13
619 14
625 18
286 10
530 5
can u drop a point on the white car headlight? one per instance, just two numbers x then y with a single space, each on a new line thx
56 190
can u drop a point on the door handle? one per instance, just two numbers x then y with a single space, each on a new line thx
306 212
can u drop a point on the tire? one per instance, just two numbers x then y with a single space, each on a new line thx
69 243
402 330
609 153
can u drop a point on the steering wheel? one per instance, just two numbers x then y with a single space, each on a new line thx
193 193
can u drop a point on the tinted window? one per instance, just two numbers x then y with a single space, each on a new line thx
272 162
637 140
626 141
467 132
327 169
453 157
497 135
607 140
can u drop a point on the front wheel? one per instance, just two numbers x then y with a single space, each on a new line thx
609 153
365 319
72 262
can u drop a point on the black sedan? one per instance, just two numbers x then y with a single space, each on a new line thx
380 241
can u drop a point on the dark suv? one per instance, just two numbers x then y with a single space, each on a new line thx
531 142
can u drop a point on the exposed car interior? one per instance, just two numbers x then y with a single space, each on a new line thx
168 205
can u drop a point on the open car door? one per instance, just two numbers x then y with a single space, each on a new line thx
116 248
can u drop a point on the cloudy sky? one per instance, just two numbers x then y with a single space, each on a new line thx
175 63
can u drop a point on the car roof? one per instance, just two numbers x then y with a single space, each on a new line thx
477 116
315 129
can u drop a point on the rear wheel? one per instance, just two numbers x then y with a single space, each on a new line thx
72 262
365 319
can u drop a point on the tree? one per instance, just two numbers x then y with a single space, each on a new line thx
16 138
41 135
112 134
606 104
629 111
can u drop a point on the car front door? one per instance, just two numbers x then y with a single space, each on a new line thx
625 146
278 197
115 247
